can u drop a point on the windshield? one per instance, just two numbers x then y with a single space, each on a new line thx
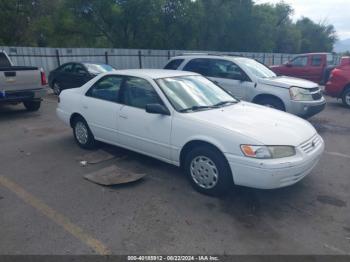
98 68
192 93
258 69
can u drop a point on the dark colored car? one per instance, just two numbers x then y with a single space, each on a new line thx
72 75
339 82
315 67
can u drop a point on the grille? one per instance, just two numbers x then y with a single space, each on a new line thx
317 96
311 145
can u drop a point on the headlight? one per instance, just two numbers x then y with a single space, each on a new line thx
300 94
268 152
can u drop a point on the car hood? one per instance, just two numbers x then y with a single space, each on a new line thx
287 82
263 124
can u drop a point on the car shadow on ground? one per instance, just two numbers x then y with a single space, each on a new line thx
247 205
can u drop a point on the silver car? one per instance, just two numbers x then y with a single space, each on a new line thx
252 81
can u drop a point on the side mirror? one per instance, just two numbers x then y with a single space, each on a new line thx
157 109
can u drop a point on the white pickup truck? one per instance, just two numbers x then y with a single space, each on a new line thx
21 84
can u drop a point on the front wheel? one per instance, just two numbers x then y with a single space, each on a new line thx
346 97
82 134
32 105
208 171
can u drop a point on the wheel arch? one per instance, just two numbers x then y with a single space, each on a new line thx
260 97
187 147
73 117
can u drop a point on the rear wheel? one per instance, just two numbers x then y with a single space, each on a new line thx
272 102
208 171
346 97
32 105
82 134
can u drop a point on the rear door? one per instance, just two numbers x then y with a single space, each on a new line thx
100 108
64 76
224 73
316 68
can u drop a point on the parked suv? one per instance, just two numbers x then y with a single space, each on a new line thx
252 81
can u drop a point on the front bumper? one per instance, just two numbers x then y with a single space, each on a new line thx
306 109
276 173
22 95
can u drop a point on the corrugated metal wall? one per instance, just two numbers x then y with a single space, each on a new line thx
50 58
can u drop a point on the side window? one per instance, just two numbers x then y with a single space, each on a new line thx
299 61
316 60
68 68
224 69
174 64
79 69
106 88
4 62
138 92
199 65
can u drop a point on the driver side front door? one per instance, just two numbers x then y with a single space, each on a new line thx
138 130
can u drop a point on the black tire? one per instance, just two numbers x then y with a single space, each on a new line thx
271 102
346 97
56 88
90 142
224 181
32 105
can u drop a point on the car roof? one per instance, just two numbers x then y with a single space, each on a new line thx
153 73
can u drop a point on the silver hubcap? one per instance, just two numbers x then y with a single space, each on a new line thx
81 133
347 99
56 89
204 172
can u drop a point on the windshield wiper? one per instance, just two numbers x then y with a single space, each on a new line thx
222 103
195 108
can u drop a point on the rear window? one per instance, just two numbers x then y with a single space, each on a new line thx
174 64
4 62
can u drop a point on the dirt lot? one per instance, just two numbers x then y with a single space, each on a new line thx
46 207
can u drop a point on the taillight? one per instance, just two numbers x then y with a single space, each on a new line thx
43 77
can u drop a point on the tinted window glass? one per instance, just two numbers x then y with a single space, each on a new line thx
4 62
224 69
107 88
68 68
78 68
138 93
174 64
316 60
98 68
300 61
200 66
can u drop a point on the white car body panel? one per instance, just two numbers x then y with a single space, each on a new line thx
163 137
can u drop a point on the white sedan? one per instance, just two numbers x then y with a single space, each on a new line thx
186 120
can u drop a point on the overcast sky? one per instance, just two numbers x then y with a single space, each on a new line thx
336 12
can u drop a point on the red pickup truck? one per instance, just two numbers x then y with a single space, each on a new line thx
339 82
315 67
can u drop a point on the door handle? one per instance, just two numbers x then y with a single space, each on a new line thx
10 74
123 116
